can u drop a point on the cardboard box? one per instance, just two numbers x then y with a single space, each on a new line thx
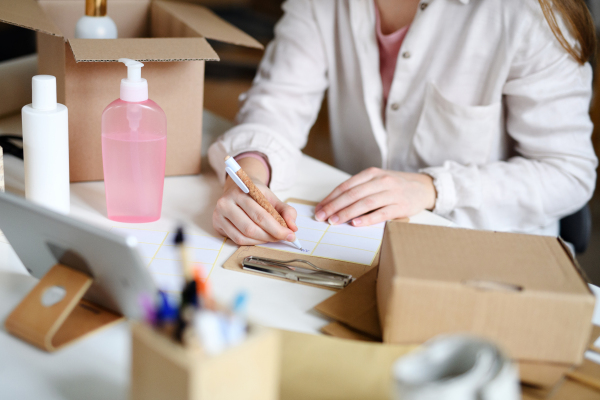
15 78
169 37
163 369
355 314
318 367
524 292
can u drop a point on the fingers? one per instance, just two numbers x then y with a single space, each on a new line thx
377 216
362 206
361 195
354 181
252 223
226 228
263 219
247 226
289 214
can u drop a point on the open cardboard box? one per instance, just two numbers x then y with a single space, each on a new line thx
168 36
523 292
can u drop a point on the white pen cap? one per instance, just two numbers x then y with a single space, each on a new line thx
231 163
231 167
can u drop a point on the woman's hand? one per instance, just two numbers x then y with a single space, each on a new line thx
375 195
240 218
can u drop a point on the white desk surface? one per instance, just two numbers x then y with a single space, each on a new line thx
98 367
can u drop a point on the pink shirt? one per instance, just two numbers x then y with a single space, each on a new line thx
389 47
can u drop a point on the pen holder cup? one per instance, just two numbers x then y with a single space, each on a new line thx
164 369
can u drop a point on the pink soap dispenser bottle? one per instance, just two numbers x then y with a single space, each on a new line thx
134 149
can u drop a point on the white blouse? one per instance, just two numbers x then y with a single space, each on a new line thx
484 99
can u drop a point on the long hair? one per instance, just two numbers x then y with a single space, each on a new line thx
579 22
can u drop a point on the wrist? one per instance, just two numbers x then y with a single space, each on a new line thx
255 169
229 183
430 191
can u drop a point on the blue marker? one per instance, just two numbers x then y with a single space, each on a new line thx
240 303
166 312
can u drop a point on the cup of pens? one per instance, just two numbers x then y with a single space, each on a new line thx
195 349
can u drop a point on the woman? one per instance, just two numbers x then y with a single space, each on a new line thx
474 109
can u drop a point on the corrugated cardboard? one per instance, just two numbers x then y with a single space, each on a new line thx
15 83
354 311
523 292
327 368
595 336
316 367
583 383
355 306
169 37
339 330
569 390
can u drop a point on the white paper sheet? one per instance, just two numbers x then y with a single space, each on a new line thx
338 242
164 259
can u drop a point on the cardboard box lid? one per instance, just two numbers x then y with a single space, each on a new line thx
28 14
208 24
143 49
492 258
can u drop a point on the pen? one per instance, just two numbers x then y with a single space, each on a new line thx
245 183
189 296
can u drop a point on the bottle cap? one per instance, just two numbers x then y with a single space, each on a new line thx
95 8
134 88
43 88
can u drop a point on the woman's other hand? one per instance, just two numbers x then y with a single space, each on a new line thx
241 219
376 195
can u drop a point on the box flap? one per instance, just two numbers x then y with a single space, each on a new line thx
356 305
143 49
27 14
484 259
339 330
207 24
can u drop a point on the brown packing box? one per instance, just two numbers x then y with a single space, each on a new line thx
569 390
168 37
582 383
318 367
524 292
354 311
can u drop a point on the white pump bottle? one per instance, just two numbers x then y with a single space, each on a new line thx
134 145
46 147
95 24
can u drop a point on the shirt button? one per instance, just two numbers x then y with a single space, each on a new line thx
395 106
406 54
424 6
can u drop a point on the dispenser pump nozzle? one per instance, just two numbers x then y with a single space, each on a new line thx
134 88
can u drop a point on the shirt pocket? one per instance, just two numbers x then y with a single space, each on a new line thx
447 131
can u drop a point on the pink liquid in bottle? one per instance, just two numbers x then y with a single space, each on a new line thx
134 145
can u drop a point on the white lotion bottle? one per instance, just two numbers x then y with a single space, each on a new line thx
95 24
46 147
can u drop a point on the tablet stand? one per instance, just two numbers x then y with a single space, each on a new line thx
54 314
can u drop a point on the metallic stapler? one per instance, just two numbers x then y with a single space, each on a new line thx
284 269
